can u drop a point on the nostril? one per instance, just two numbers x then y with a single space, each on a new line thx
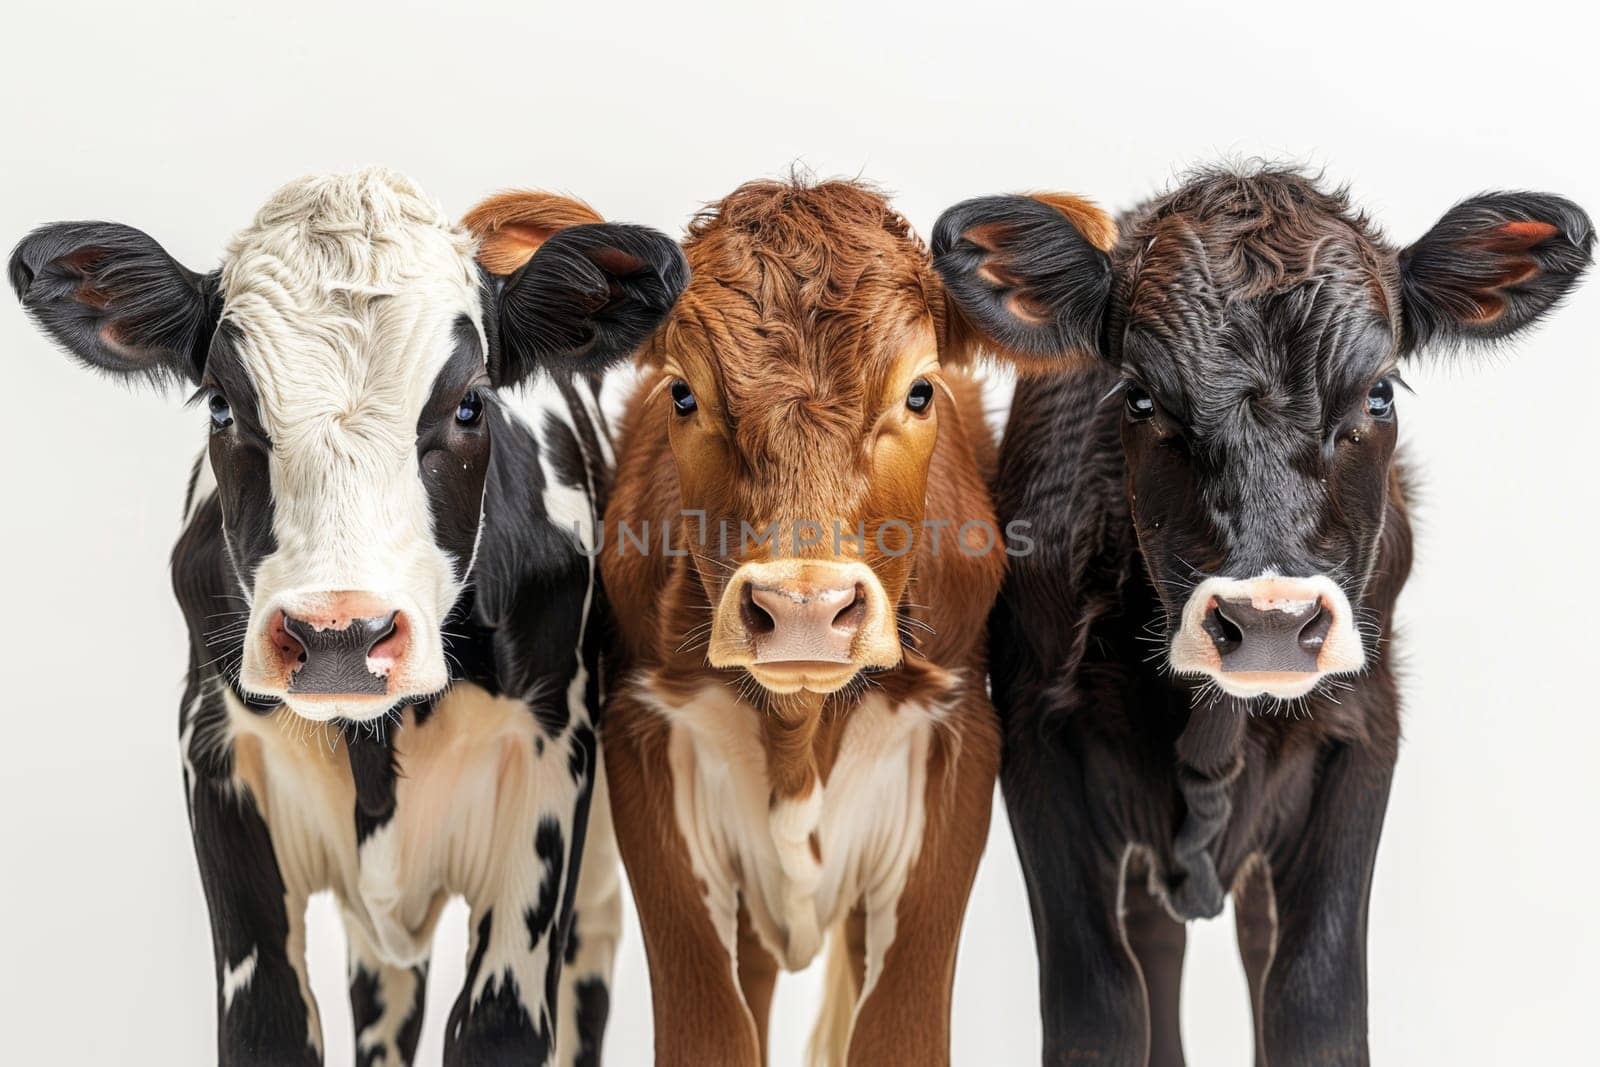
851 616
1224 634
290 649
1315 631
384 630
757 622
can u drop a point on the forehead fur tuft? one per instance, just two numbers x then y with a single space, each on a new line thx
367 232
343 295
1266 300
802 294
1262 229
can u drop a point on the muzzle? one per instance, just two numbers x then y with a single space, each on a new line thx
1267 636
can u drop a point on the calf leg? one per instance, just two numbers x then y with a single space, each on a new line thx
690 928
903 1014
265 1012
1314 996
1092 999
585 997
1256 930
386 1002
1157 941
506 1012
758 975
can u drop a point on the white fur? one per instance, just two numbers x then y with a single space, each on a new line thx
534 403
869 819
236 977
474 789
397 992
344 293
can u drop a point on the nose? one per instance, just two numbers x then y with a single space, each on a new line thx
1286 637
798 620
1270 634
346 648
817 620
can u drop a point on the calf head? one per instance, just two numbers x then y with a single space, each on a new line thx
347 354
800 381
1258 324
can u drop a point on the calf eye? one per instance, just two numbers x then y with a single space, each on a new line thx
683 398
1140 404
470 410
920 399
1380 398
221 413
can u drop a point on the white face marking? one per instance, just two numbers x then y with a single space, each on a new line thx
1193 653
344 296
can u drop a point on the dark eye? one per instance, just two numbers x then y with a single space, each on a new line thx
1380 398
1140 405
470 410
221 413
683 398
920 399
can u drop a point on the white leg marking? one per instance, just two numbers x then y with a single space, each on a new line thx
236 978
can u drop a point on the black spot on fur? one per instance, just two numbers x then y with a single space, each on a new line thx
550 847
372 765
564 454
581 756
594 1007
496 1030
367 1006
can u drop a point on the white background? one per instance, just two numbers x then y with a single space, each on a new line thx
181 119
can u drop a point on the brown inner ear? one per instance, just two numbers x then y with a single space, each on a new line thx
1098 228
1026 309
93 296
1526 234
617 261
1488 308
509 247
83 263
511 226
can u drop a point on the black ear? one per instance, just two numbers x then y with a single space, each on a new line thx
112 297
1031 274
589 297
1492 265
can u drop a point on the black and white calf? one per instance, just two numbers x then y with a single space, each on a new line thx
393 676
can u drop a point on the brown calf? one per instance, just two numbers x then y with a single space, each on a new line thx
802 742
